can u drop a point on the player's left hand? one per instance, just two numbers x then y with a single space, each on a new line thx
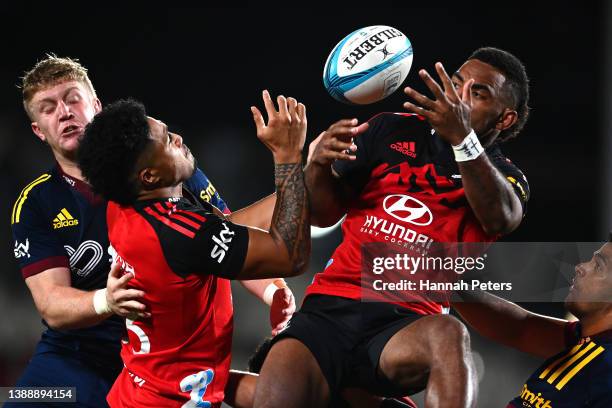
281 309
450 113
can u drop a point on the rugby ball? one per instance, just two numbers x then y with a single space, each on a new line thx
368 65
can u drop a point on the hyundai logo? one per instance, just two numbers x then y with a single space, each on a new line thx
407 209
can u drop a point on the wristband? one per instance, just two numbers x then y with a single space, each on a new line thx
469 149
100 303
268 294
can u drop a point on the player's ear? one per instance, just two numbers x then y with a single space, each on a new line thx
506 119
97 105
149 178
38 132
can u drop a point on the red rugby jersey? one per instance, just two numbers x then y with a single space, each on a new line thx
179 253
409 195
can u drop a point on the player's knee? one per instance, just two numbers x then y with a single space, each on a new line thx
450 337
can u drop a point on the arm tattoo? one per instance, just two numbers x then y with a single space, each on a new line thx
291 219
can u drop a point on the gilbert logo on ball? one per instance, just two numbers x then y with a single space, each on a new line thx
368 65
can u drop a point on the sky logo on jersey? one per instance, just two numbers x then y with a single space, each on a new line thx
22 250
406 148
64 219
224 238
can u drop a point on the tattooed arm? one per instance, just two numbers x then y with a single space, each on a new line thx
285 249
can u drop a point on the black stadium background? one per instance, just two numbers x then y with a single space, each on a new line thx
199 70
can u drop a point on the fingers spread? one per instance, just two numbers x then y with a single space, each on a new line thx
449 89
258 118
432 85
420 98
270 110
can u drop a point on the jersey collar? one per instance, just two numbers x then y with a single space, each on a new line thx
79 185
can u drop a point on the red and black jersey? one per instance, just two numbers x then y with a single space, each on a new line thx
409 194
179 254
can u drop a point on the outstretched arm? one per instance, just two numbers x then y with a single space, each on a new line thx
509 324
490 195
329 196
285 249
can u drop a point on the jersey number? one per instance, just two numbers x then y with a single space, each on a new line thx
145 344
197 384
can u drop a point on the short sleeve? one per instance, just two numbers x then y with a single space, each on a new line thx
195 240
515 176
36 247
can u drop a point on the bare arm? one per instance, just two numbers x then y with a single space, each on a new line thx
489 194
285 249
65 307
509 324
329 197
258 214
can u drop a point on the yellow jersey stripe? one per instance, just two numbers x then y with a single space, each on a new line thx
24 196
579 367
554 364
570 362
66 214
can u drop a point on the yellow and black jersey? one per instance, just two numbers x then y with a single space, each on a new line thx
580 376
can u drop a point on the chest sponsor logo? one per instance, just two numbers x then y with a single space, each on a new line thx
407 209
208 193
64 219
531 399
22 250
224 237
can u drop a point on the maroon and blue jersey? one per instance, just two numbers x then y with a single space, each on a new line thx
578 377
409 195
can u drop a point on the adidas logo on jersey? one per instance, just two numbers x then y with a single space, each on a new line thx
406 148
64 219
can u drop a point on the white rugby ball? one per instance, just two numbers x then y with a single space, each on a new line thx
368 65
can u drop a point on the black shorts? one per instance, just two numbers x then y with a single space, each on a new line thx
347 337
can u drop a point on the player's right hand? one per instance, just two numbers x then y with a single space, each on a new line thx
335 143
285 132
121 300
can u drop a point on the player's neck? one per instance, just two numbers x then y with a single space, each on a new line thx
596 323
69 167
165 192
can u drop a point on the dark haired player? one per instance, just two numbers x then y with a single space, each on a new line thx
446 158
61 244
578 367
178 249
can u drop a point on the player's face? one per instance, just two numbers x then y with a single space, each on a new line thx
171 157
491 112
591 289
61 113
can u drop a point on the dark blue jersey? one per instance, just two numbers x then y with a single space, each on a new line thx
580 376
58 222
